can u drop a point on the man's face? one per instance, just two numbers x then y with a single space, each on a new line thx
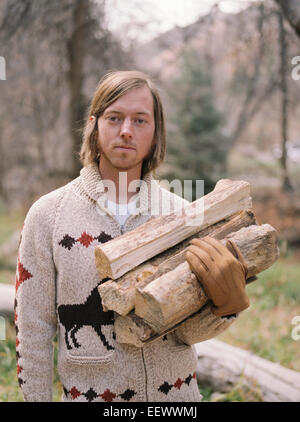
126 130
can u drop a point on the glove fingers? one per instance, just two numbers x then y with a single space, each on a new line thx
198 269
232 247
196 265
209 246
220 256
202 255
218 245
212 267
212 278
215 249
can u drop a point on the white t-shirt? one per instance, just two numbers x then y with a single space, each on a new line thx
122 211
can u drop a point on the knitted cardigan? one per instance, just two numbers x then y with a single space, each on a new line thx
56 292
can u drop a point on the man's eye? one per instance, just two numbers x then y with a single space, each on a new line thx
140 121
113 119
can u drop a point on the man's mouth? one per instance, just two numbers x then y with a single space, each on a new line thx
125 147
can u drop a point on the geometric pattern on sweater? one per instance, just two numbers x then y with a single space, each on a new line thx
166 387
90 313
19 368
91 394
24 274
85 239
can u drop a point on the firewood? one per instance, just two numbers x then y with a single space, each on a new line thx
122 254
119 295
258 245
177 294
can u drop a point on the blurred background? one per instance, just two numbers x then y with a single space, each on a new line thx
229 75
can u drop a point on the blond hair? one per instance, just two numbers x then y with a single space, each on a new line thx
111 87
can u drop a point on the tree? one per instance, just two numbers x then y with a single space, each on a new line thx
198 148
286 183
56 53
291 10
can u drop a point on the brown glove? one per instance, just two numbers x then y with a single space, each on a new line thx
222 272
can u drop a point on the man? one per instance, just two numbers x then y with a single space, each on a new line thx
56 283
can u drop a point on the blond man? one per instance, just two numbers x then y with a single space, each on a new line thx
56 282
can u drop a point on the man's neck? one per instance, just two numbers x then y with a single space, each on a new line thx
121 180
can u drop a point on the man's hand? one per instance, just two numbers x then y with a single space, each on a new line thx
222 272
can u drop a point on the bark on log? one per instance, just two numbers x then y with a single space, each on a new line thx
122 254
222 366
119 296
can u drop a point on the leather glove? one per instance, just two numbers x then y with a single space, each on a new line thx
222 272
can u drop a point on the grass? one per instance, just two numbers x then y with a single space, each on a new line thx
9 387
241 392
264 328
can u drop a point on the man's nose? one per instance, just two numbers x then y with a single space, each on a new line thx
126 129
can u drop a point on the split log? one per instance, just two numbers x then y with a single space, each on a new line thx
122 254
119 296
132 330
177 294
259 247
222 366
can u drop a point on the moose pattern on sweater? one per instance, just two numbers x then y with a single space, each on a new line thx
74 317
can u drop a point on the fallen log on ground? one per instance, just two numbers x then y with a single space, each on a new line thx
222 366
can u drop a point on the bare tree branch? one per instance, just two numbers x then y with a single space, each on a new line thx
291 11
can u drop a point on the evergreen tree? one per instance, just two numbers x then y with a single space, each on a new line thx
197 147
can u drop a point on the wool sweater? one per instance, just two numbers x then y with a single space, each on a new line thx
56 292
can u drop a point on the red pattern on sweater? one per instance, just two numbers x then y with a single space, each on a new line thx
23 274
